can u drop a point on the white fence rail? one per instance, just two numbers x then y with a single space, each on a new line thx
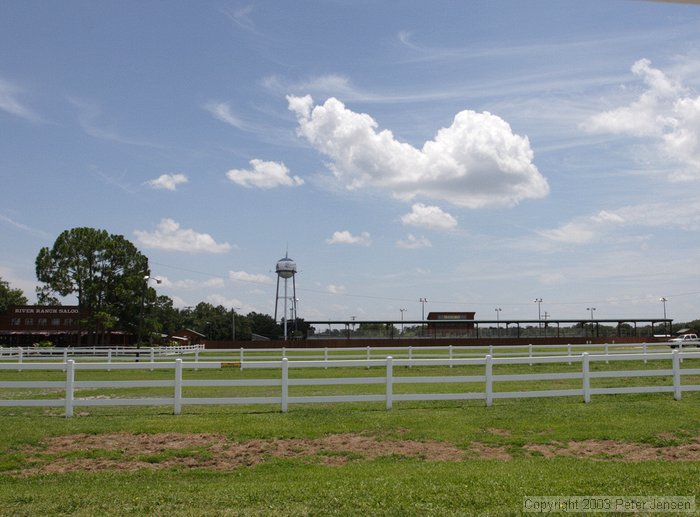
120 353
438 352
242 355
487 380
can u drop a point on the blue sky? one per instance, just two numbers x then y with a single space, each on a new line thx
477 154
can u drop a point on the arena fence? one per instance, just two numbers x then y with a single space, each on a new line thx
116 354
484 381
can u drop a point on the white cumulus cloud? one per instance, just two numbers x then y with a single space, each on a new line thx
336 289
255 278
168 181
345 237
170 237
665 112
411 242
477 161
429 217
264 175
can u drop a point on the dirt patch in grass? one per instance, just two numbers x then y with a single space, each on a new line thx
478 450
613 450
164 450
130 452
499 432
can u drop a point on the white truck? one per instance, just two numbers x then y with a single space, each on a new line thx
684 341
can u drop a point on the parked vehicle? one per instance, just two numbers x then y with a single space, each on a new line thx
684 340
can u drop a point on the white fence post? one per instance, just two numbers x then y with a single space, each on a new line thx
20 358
325 356
410 356
586 377
606 353
369 356
153 357
285 383
196 359
529 352
240 360
70 387
676 375
644 351
178 387
450 354
109 358
568 351
389 382
489 380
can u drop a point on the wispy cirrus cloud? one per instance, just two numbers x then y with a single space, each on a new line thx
169 236
241 17
222 111
88 115
10 103
682 215
23 227
189 284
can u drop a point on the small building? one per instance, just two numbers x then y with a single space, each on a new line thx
188 337
450 323
24 325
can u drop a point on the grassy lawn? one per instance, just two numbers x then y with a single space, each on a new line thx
502 450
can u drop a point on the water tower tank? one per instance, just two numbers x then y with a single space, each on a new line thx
286 267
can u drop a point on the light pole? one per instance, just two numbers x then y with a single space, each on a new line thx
423 301
591 309
146 278
402 311
538 301
498 320
233 322
663 300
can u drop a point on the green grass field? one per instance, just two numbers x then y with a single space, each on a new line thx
145 461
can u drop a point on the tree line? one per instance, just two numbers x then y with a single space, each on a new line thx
110 277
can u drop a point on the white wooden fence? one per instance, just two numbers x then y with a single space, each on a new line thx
119 353
21 354
487 379
433 352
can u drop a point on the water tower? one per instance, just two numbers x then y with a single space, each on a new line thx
286 268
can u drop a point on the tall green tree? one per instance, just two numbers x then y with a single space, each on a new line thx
105 272
264 325
10 296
